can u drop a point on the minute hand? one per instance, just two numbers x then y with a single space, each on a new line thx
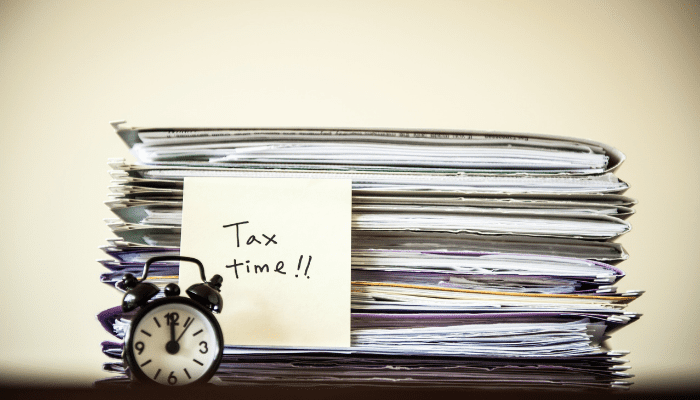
187 324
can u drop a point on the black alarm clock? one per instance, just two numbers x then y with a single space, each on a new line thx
173 340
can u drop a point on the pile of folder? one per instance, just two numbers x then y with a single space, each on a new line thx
479 259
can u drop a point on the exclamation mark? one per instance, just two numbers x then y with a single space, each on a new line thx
307 268
306 271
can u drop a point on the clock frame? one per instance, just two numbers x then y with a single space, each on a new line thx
137 373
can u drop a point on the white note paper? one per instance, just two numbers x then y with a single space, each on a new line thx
283 249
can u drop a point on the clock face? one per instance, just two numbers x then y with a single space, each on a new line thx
175 342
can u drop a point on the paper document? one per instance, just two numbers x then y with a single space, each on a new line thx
472 259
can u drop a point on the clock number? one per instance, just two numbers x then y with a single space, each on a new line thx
171 318
206 349
172 379
139 347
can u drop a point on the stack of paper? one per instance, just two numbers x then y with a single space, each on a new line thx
478 259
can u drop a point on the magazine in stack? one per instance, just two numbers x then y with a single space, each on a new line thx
479 259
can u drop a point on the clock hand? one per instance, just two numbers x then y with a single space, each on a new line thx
172 347
172 331
187 325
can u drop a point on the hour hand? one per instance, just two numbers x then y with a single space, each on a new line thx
172 347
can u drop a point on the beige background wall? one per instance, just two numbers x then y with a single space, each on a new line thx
623 72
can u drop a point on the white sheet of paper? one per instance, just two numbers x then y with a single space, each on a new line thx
289 240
